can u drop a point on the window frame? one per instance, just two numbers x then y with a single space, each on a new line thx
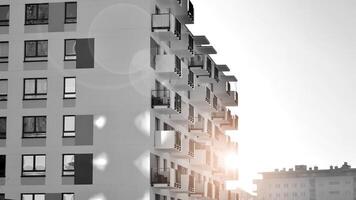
69 93
66 170
32 194
43 172
37 17
65 131
5 59
3 97
69 57
34 133
6 22
35 92
33 58
3 134
67 19
70 193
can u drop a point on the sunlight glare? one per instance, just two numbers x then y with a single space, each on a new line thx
142 122
101 161
98 197
100 122
143 163
231 161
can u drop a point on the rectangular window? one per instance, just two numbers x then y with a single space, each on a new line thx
36 50
36 14
2 196
67 196
2 165
34 165
3 89
2 127
35 89
68 165
69 49
33 196
69 88
70 12
4 15
4 51
34 127
69 126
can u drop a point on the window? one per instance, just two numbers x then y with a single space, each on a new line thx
34 127
2 196
33 165
68 165
67 196
35 89
70 12
2 165
33 196
69 49
4 15
4 51
69 126
36 50
36 14
3 89
2 127
69 88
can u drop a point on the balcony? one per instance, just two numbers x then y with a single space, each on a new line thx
186 82
227 97
163 178
166 27
166 102
187 184
184 47
199 129
184 117
202 158
168 140
201 65
201 96
187 149
183 9
168 67
232 124
219 117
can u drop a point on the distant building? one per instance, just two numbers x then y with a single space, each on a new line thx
301 183
243 195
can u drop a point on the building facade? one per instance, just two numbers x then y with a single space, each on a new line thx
336 183
111 99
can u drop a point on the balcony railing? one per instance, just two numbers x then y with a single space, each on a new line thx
178 103
178 66
160 98
167 26
198 124
191 11
161 176
191 79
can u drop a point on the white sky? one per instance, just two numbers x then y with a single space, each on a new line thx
296 65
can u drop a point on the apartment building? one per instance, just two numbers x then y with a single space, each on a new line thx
111 99
300 183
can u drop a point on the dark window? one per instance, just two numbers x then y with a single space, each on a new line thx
69 126
69 88
70 12
2 165
3 89
69 49
33 196
36 14
4 51
157 124
34 126
36 50
4 15
2 127
68 196
35 89
2 196
68 165
34 165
